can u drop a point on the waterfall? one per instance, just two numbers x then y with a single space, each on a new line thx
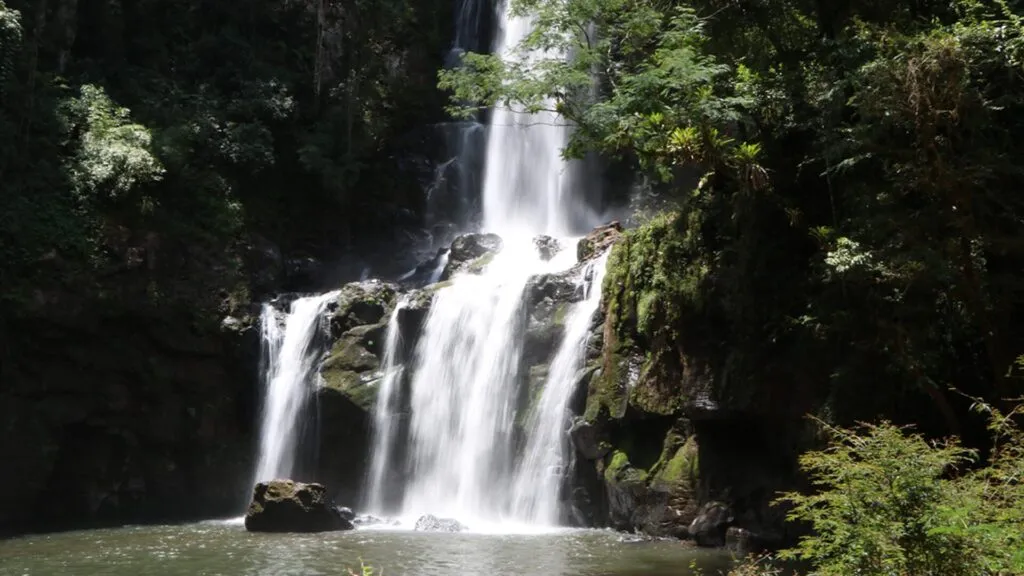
525 180
538 480
386 412
464 371
464 389
290 360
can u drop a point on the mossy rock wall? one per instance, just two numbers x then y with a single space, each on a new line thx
678 423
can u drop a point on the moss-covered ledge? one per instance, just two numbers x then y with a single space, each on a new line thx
652 296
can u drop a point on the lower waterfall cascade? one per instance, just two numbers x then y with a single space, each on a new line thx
290 362
464 387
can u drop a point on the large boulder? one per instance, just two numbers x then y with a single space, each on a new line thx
350 375
470 253
289 506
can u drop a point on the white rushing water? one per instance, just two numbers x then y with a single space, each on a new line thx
464 389
526 180
535 489
464 381
386 413
289 371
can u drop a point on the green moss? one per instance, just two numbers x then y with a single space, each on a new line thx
619 472
652 294
348 353
606 393
477 266
680 470
361 303
561 313
361 392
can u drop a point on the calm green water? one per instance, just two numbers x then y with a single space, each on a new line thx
219 548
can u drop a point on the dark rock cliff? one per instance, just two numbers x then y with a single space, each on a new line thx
123 417
667 440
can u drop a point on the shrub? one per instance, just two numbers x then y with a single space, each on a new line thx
889 502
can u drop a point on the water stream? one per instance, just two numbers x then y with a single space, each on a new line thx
290 361
225 549
463 376
386 413
535 490
464 388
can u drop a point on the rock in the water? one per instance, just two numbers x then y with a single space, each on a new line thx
547 246
431 523
710 525
598 240
289 506
470 253
744 541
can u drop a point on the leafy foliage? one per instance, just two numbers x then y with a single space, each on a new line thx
890 502
115 158
877 510
846 173
142 143
665 100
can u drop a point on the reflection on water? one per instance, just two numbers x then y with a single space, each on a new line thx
225 548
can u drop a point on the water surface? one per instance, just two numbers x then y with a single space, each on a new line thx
225 548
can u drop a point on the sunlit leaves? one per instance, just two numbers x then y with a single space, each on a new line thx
660 98
115 156
888 502
10 42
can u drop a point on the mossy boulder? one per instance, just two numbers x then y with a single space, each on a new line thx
361 304
660 498
471 253
653 358
626 487
352 364
349 377
289 506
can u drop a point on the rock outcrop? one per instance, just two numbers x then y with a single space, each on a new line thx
289 506
598 240
666 443
349 375
470 253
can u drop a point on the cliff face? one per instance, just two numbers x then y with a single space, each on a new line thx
165 165
123 417
673 438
